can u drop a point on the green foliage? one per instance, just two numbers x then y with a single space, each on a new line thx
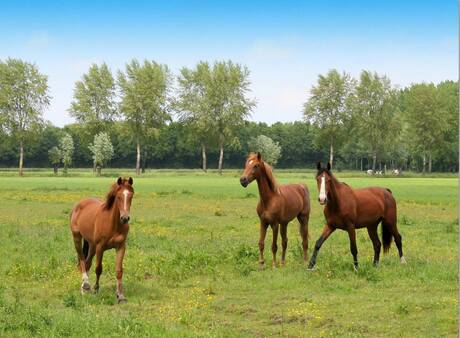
23 97
55 155
270 150
94 99
101 150
327 108
67 148
376 122
145 100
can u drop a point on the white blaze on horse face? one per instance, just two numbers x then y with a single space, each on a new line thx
322 190
125 194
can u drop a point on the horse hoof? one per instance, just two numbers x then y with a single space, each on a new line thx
121 299
403 260
375 264
311 268
355 268
96 288
85 288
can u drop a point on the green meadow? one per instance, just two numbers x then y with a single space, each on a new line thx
191 263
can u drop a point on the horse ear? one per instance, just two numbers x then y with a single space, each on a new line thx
130 181
329 166
259 156
318 165
119 181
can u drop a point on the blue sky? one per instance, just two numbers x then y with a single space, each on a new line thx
285 44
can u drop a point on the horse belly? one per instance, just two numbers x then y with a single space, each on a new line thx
370 210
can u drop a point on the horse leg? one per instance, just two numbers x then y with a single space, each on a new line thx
327 231
99 255
353 247
263 233
89 258
303 229
275 229
284 242
119 270
397 237
77 239
372 231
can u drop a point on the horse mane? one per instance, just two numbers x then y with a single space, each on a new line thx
270 178
110 198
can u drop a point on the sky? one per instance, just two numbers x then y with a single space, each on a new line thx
285 44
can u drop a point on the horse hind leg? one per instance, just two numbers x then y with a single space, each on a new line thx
393 230
77 239
284 242
303 230
372 231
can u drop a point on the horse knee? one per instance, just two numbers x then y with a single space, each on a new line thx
119 273
274 247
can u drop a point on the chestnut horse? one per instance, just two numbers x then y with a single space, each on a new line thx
278 205
102 226
349 209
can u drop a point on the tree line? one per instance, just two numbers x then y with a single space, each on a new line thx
144 116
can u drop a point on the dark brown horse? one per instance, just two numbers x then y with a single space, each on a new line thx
102 226
349 209
278 205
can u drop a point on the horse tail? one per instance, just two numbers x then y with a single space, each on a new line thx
389 222
85 248
386 237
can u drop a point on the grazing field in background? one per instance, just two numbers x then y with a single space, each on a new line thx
191 263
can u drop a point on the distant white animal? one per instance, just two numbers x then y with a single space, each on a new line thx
370 172
395 172
379 172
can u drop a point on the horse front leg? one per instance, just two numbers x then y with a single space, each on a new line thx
119 270
353 247
275 229
327 231
263 233
284 243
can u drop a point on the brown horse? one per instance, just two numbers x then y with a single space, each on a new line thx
278 205
349 209
102 226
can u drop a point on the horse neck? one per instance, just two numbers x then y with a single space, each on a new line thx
114 214
335 192
265 191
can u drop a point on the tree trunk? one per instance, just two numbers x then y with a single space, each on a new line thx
374 161
21 159
221 156
429 163
424 163
65 168
203 156
331 154
98 170
361 164
138 159
94 168
55 167
144 160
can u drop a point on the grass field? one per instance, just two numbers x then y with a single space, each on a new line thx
191 263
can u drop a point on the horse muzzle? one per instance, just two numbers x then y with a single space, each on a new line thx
124 219
322 201
244 181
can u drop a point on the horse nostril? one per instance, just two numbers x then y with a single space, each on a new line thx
127 219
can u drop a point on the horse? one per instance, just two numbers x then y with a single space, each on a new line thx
278 205
102 225
349 209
